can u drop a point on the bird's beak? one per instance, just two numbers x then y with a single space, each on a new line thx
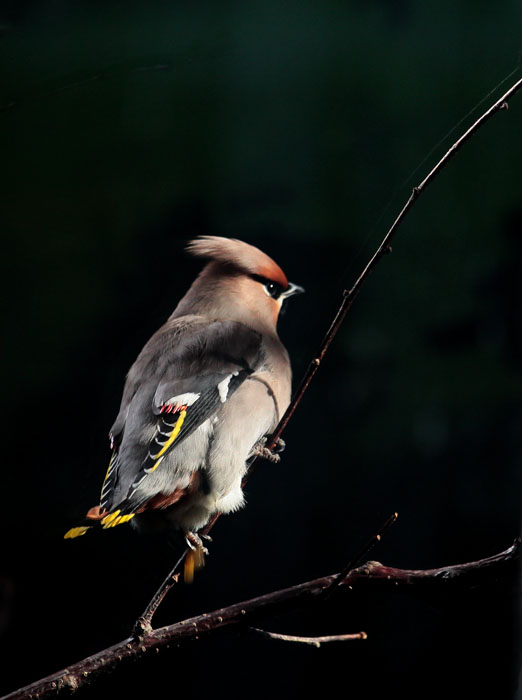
291 290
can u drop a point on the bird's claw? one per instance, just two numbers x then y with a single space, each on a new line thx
260 450
195 542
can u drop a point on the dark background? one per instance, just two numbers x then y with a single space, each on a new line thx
128 128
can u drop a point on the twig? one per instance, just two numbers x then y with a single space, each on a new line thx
312 641
249 612
349 297
364 551
143 623
384 248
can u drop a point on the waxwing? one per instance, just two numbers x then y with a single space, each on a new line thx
205 390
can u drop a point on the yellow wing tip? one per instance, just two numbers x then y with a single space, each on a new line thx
174 434
76 532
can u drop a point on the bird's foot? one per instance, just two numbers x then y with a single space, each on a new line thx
260 450
195 542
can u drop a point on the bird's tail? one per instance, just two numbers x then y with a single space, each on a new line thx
98 517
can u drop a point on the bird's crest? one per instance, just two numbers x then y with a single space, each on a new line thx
243 256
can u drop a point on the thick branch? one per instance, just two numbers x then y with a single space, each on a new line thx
249 612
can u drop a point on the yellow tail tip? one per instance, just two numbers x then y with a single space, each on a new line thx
115 518
76 532
126 518
108 519
120 520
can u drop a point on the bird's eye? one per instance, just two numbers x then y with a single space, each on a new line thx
273 289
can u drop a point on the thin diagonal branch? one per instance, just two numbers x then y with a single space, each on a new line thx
384 248
251 612
364 551
143 623
349 297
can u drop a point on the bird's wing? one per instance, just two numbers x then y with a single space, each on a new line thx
204 367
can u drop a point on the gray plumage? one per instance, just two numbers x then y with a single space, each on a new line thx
204 390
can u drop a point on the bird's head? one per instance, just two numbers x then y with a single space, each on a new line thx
240 282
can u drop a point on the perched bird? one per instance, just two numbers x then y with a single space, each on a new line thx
204 392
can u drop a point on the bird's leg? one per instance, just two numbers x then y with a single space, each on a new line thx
261 450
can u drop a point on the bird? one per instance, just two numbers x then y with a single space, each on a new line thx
201 398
